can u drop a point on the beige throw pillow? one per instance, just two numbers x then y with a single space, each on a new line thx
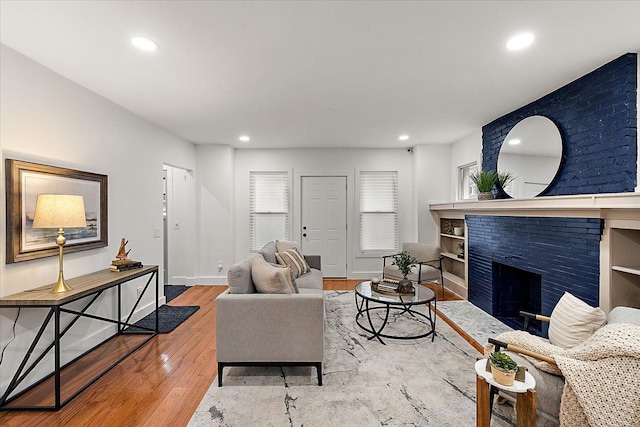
293 260
269 279
284 245
573 321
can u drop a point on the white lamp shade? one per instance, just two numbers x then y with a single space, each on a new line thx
59 211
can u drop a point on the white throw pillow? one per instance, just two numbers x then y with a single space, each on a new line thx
269 279
573 321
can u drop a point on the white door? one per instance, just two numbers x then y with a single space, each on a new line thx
324 222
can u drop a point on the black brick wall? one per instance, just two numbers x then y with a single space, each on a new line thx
596 115
564 251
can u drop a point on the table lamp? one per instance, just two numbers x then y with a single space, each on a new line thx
59 211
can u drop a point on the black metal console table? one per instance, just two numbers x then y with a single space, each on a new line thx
91 285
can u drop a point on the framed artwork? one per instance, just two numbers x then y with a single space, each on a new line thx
24 182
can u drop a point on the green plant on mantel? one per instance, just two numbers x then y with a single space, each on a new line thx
404 260
484 180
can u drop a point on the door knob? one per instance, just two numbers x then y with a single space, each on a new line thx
304 235
304 228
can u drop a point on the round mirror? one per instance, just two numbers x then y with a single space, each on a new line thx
531 154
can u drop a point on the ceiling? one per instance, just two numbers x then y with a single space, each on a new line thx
323 73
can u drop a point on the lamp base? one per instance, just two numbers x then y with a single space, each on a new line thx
61 286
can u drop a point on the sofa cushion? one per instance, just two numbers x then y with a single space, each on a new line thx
573 321
293 260
311 280
283 245
239 277
268 251
269 279
622 314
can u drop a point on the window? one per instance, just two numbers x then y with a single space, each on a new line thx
378 211
466 188
269 207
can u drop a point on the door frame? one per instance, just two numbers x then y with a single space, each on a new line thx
296 224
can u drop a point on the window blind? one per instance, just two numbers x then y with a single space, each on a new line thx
269 207
378 211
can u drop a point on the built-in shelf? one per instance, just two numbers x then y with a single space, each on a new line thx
453 236
631 270
454 269
452 256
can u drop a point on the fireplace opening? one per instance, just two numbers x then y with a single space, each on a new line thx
516 290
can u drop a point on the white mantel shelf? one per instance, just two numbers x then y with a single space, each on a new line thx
626 205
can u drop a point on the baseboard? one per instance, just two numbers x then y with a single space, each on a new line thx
199 280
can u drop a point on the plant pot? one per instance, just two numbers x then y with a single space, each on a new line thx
503 377
405 286
485 195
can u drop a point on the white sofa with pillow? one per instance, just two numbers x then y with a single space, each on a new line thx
272 314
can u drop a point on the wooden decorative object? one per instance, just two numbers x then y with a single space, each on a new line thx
122 258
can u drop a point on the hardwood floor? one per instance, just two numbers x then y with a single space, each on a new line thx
162 383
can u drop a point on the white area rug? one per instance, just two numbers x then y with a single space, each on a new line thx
365 383
473 320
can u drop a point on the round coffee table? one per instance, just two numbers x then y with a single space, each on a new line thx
368 301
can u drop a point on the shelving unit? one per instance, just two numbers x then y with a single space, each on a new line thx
451 245
625 267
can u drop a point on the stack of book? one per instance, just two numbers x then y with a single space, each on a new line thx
124 265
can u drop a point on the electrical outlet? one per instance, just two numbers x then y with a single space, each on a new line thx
176 225
220 266
138 292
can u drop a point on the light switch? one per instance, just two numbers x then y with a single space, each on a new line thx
156 232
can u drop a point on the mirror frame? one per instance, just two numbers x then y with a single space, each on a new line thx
557 138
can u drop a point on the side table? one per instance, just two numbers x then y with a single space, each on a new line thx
525 400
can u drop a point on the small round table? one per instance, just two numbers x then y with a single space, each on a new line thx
404 303
525 397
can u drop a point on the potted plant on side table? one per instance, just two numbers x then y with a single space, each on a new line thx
405 262
503 368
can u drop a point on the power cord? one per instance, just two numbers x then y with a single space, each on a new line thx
13 338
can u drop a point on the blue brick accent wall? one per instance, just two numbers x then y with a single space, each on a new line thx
597 118
564 251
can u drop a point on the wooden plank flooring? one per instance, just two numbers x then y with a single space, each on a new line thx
162 383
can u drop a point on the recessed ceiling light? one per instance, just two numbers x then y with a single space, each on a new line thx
403 137
514 141
144 43
244 138
520 41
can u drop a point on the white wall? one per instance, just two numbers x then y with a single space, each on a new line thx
215 209
464 151
49 119
302 162
431 185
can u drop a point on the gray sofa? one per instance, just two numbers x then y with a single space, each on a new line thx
258 329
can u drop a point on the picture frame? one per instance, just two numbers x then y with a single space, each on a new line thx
24 181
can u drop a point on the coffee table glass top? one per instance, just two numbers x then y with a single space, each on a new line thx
422 295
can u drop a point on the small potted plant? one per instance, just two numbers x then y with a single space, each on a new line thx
503 368
405 262
484 181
